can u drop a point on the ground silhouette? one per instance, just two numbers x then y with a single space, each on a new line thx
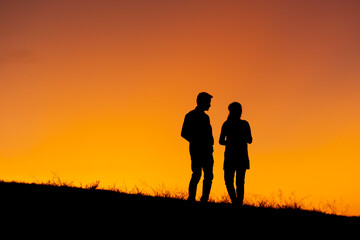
45 204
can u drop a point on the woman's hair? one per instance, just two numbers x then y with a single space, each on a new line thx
235 111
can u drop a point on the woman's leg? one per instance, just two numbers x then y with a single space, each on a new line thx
229 182
240 183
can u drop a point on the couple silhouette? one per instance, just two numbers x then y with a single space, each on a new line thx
235 136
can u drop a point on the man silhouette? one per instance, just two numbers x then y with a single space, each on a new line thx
197 131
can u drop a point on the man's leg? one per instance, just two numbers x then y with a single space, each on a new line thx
195 178
208 177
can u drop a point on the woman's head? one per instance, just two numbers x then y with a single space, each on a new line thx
235 110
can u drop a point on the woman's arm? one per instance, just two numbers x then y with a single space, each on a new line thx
249 140
222 140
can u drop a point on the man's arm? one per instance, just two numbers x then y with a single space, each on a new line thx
186 129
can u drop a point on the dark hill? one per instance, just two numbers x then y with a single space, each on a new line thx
64 206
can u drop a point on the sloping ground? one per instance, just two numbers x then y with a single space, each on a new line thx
68 208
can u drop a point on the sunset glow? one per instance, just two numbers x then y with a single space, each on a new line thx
98 90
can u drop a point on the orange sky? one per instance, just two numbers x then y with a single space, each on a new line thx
97 90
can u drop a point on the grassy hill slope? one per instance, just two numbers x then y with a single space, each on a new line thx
23 203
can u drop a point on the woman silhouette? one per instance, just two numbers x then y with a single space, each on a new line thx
235 135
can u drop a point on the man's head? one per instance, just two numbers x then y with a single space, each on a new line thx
204 101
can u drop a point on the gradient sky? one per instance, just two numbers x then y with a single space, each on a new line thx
98 90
